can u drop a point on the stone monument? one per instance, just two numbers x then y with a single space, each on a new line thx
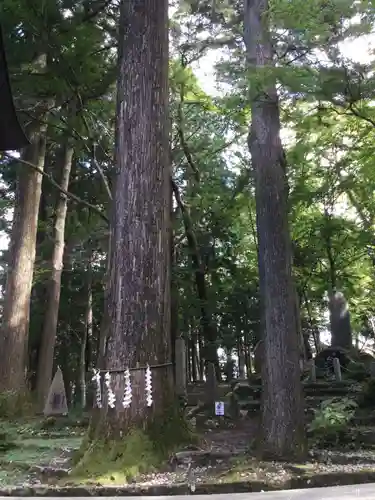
56 403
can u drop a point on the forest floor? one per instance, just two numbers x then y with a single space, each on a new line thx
38 455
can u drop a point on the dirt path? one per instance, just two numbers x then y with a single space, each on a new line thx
235 440
223 457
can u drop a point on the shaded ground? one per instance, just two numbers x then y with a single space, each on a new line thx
34 450
39 454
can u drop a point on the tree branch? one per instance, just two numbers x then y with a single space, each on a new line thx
180 132
55 184
101 173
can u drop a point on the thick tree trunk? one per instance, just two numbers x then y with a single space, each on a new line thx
139 281
47 347
15 321
282 408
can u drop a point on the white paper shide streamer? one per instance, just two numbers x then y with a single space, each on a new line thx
148 386
96 379
111 394
126 402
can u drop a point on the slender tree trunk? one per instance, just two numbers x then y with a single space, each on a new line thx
200 357
297 305
194 360
87 334
248 361
139 283
188 360
38 294
326 234
105 323
15 321
209 330
47 347
282 408
241 357
247 352
175 327
312 322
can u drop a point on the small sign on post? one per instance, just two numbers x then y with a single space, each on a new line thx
219 408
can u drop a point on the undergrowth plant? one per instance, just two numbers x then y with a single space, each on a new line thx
330 423
16 404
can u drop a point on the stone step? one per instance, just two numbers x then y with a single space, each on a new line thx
324 395
251 405
307 387
223 388
244 391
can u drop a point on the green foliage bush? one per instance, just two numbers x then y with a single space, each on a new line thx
357 371
367 398
330 423
6 441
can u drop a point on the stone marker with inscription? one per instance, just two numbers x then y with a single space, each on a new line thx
56 403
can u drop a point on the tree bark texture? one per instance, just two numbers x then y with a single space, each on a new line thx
48 337
15 321
282 408
138 302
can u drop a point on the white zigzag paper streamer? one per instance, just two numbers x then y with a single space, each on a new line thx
148 386
111 394
98 395
126 402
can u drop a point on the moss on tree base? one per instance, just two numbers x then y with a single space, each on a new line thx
103 459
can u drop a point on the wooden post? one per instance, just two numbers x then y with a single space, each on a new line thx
301 365
241 366
313 372
337 369
181 382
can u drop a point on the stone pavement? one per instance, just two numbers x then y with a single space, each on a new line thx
361 491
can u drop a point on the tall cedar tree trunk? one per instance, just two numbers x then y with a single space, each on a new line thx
38 293
282 408
138 302
48 339
16 313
